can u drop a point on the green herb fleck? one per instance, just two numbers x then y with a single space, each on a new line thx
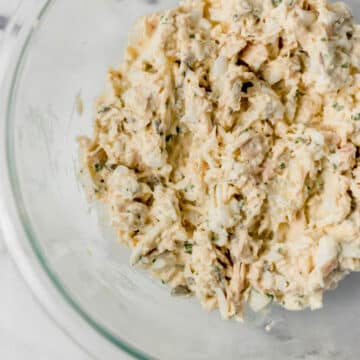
339 21
338 107
300 140
276 2
319 184
298 93
192 36
345 66
163 19
188 248
355 117
189 188
97 167
241 204
214 237
163 282
323 39
104 109
180 290
282 166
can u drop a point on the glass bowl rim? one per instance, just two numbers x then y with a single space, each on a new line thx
16 193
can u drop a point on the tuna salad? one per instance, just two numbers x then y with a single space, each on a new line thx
226 150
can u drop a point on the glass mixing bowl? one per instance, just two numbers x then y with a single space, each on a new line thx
56 52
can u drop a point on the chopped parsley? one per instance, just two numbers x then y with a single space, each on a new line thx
355 117
345 66
164 19
323 39
241 204
316 186
298 93
319 183
282 166
300 140
276 2
192 36
218 272
188 248
104 109
97 167
308 188
180 290
338 107
214 237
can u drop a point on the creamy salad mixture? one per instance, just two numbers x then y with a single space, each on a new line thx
226 150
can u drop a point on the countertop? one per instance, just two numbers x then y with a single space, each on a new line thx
26 333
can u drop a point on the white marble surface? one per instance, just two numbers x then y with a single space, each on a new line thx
26 333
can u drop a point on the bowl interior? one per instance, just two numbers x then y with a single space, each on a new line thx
66 58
